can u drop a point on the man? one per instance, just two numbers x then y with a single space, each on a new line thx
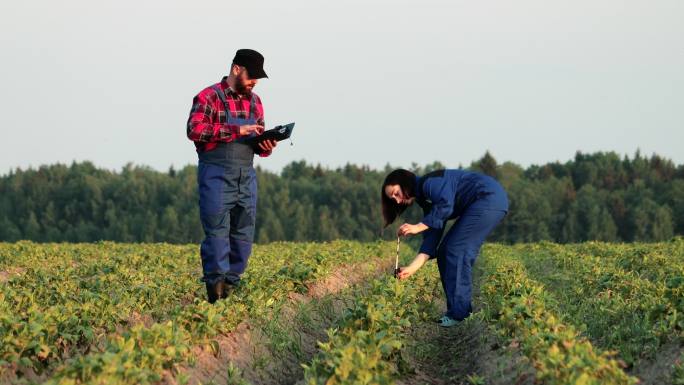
222 116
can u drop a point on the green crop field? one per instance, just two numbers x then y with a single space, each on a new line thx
331 313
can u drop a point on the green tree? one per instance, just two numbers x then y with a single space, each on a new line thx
486 165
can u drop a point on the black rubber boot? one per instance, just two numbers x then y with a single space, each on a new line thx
216 291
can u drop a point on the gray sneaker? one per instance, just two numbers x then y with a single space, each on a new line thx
447 322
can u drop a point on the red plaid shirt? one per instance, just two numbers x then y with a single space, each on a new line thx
207 122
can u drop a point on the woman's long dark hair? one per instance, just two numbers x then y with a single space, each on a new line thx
407 183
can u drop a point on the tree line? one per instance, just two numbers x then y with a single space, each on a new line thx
598 196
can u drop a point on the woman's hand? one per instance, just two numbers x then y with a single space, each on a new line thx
409 229
418 262
407 271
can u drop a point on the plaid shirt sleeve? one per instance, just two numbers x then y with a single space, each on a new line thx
203 123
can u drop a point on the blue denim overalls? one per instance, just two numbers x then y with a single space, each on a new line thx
480 203
227 202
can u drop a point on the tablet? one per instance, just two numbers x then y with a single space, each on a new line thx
278 133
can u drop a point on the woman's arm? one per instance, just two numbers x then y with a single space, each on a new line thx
418 262
441 192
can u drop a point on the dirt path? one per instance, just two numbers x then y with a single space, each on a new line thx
465 354
658 370
270 351
5 275
468 353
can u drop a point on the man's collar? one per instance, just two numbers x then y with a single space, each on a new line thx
230 91
226 87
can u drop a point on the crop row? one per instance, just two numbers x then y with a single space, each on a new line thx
519 308
365 347
617 308
75 326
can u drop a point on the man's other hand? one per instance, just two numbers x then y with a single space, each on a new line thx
268 145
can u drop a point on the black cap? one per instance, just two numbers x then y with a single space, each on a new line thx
252 60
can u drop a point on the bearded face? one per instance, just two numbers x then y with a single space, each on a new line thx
243 84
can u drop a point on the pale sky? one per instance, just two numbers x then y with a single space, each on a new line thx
367 82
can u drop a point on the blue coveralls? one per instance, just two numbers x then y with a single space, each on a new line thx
227 203
480 203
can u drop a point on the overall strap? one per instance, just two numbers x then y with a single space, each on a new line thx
252 103
252 107
222 96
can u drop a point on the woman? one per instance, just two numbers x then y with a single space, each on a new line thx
478 201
